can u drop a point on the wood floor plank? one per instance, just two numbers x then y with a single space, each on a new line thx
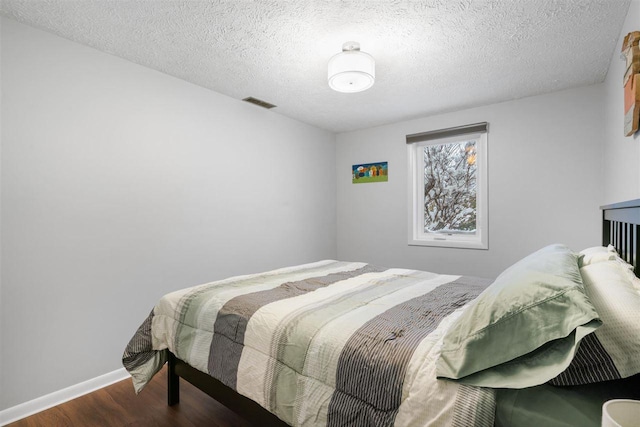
118 406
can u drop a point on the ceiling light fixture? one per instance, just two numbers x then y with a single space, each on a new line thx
351 70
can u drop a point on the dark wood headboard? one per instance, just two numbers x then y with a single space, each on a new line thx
620 227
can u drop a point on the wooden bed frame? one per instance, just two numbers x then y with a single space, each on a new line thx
233 400
620 228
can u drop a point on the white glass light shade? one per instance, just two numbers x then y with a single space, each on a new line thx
351 71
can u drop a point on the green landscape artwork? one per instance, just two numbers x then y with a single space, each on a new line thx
370 172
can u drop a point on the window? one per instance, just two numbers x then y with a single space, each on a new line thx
448 187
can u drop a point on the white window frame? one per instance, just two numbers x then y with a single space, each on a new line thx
417 236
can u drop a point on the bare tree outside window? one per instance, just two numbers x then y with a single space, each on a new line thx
450 188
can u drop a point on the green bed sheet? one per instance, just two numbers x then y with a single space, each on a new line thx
549 406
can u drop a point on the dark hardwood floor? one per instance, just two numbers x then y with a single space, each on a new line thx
118 406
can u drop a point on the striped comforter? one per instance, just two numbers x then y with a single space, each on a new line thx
328 343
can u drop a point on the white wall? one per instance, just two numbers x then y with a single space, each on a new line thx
1 304
621 158
119 184
544 184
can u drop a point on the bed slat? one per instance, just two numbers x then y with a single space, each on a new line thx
620 228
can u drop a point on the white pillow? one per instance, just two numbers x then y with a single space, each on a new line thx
601 254
613 350
596 254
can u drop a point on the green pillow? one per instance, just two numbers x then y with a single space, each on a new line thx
525 328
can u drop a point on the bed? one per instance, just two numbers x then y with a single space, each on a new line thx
343 343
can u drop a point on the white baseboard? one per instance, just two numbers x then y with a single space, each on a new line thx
34 406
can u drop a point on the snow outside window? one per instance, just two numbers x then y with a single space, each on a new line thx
448 191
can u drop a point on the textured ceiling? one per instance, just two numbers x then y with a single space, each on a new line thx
431 56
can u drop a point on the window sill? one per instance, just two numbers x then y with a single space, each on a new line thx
445 243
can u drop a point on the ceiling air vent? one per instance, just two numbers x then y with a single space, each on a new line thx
259 102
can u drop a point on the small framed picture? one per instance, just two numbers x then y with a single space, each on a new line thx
370 172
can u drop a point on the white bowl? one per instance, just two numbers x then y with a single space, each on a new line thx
621 413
